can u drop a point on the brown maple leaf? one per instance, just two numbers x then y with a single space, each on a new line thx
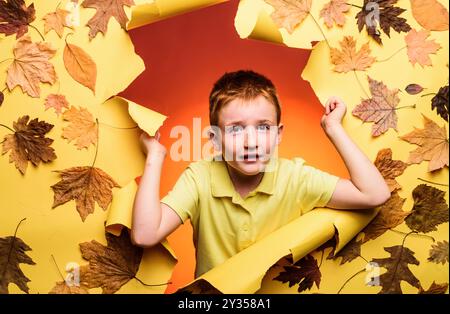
80 66
56 21
111 266
389 169
12 253
105 10
85 185
430 14
82 127
435 288
439 253
388 17
15 17
429 210
433 145
63 287
440 102
397 269
381 108
333 12
305 272
389 216
348 59
29 143
289 13
348 253
31 66
419 48
57 102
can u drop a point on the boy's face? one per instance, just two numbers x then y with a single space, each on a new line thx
249 134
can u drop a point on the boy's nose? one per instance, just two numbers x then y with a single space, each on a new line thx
250 137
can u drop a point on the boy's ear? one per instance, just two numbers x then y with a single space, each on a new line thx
280 133
214 138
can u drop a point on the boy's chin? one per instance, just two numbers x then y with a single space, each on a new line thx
251 168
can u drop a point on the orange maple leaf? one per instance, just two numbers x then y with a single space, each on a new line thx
349 59
82 127
419 48
56 21
333 12
57 102
289 14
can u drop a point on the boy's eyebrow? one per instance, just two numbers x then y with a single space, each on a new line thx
239 121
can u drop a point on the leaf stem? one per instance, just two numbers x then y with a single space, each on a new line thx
414 233
156 285
32 26
320 28
5 126
56 264
127 128
354 5
427 94
391 56
442 184
96 145
6 59
360 84
321 259
10 248
353 276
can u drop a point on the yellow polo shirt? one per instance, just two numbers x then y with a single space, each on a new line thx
224 223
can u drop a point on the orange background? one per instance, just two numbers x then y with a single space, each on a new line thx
184 56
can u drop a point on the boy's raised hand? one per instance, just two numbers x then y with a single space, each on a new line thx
335 109
151 145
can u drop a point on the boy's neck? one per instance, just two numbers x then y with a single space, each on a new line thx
244 183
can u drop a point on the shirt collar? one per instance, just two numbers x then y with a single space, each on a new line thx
221 184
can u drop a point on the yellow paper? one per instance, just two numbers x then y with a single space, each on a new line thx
147 119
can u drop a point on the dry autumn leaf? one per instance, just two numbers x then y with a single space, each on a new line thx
333 12
419 48
200 286
348 59
435 288
31 66
388 17
389 169
12 253
429 210
440 102
82 128
57 102
348 253
85 185
105 10
289 13
80 66
381 108
433 145
389 216
29 143
430 14
2 97
397 269
15 17
111 266
75 287
56 21
413 89
305 272
439 253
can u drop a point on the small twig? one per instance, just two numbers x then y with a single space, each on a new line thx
442 184
43 39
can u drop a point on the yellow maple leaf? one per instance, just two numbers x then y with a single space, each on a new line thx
419 48
82 128
289 13
333 12
56 21
348 59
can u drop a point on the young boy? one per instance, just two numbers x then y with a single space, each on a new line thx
246 192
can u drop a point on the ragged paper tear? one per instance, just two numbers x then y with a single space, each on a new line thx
149 11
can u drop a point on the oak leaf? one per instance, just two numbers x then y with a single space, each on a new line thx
15 17
111 266
30 66
435 288
348 59
439 253
430 14
388 17
389 216
289 13
56 21
80 66
305 272
12 253
419 48
429 210
389 169
29 143
105 10
397 269
433 145
57 102
85 185
82 128
381 108
440 102
333 12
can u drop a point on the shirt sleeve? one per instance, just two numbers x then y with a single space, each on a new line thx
314 187
183 198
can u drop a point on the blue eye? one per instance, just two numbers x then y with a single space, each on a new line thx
234 129
263 127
